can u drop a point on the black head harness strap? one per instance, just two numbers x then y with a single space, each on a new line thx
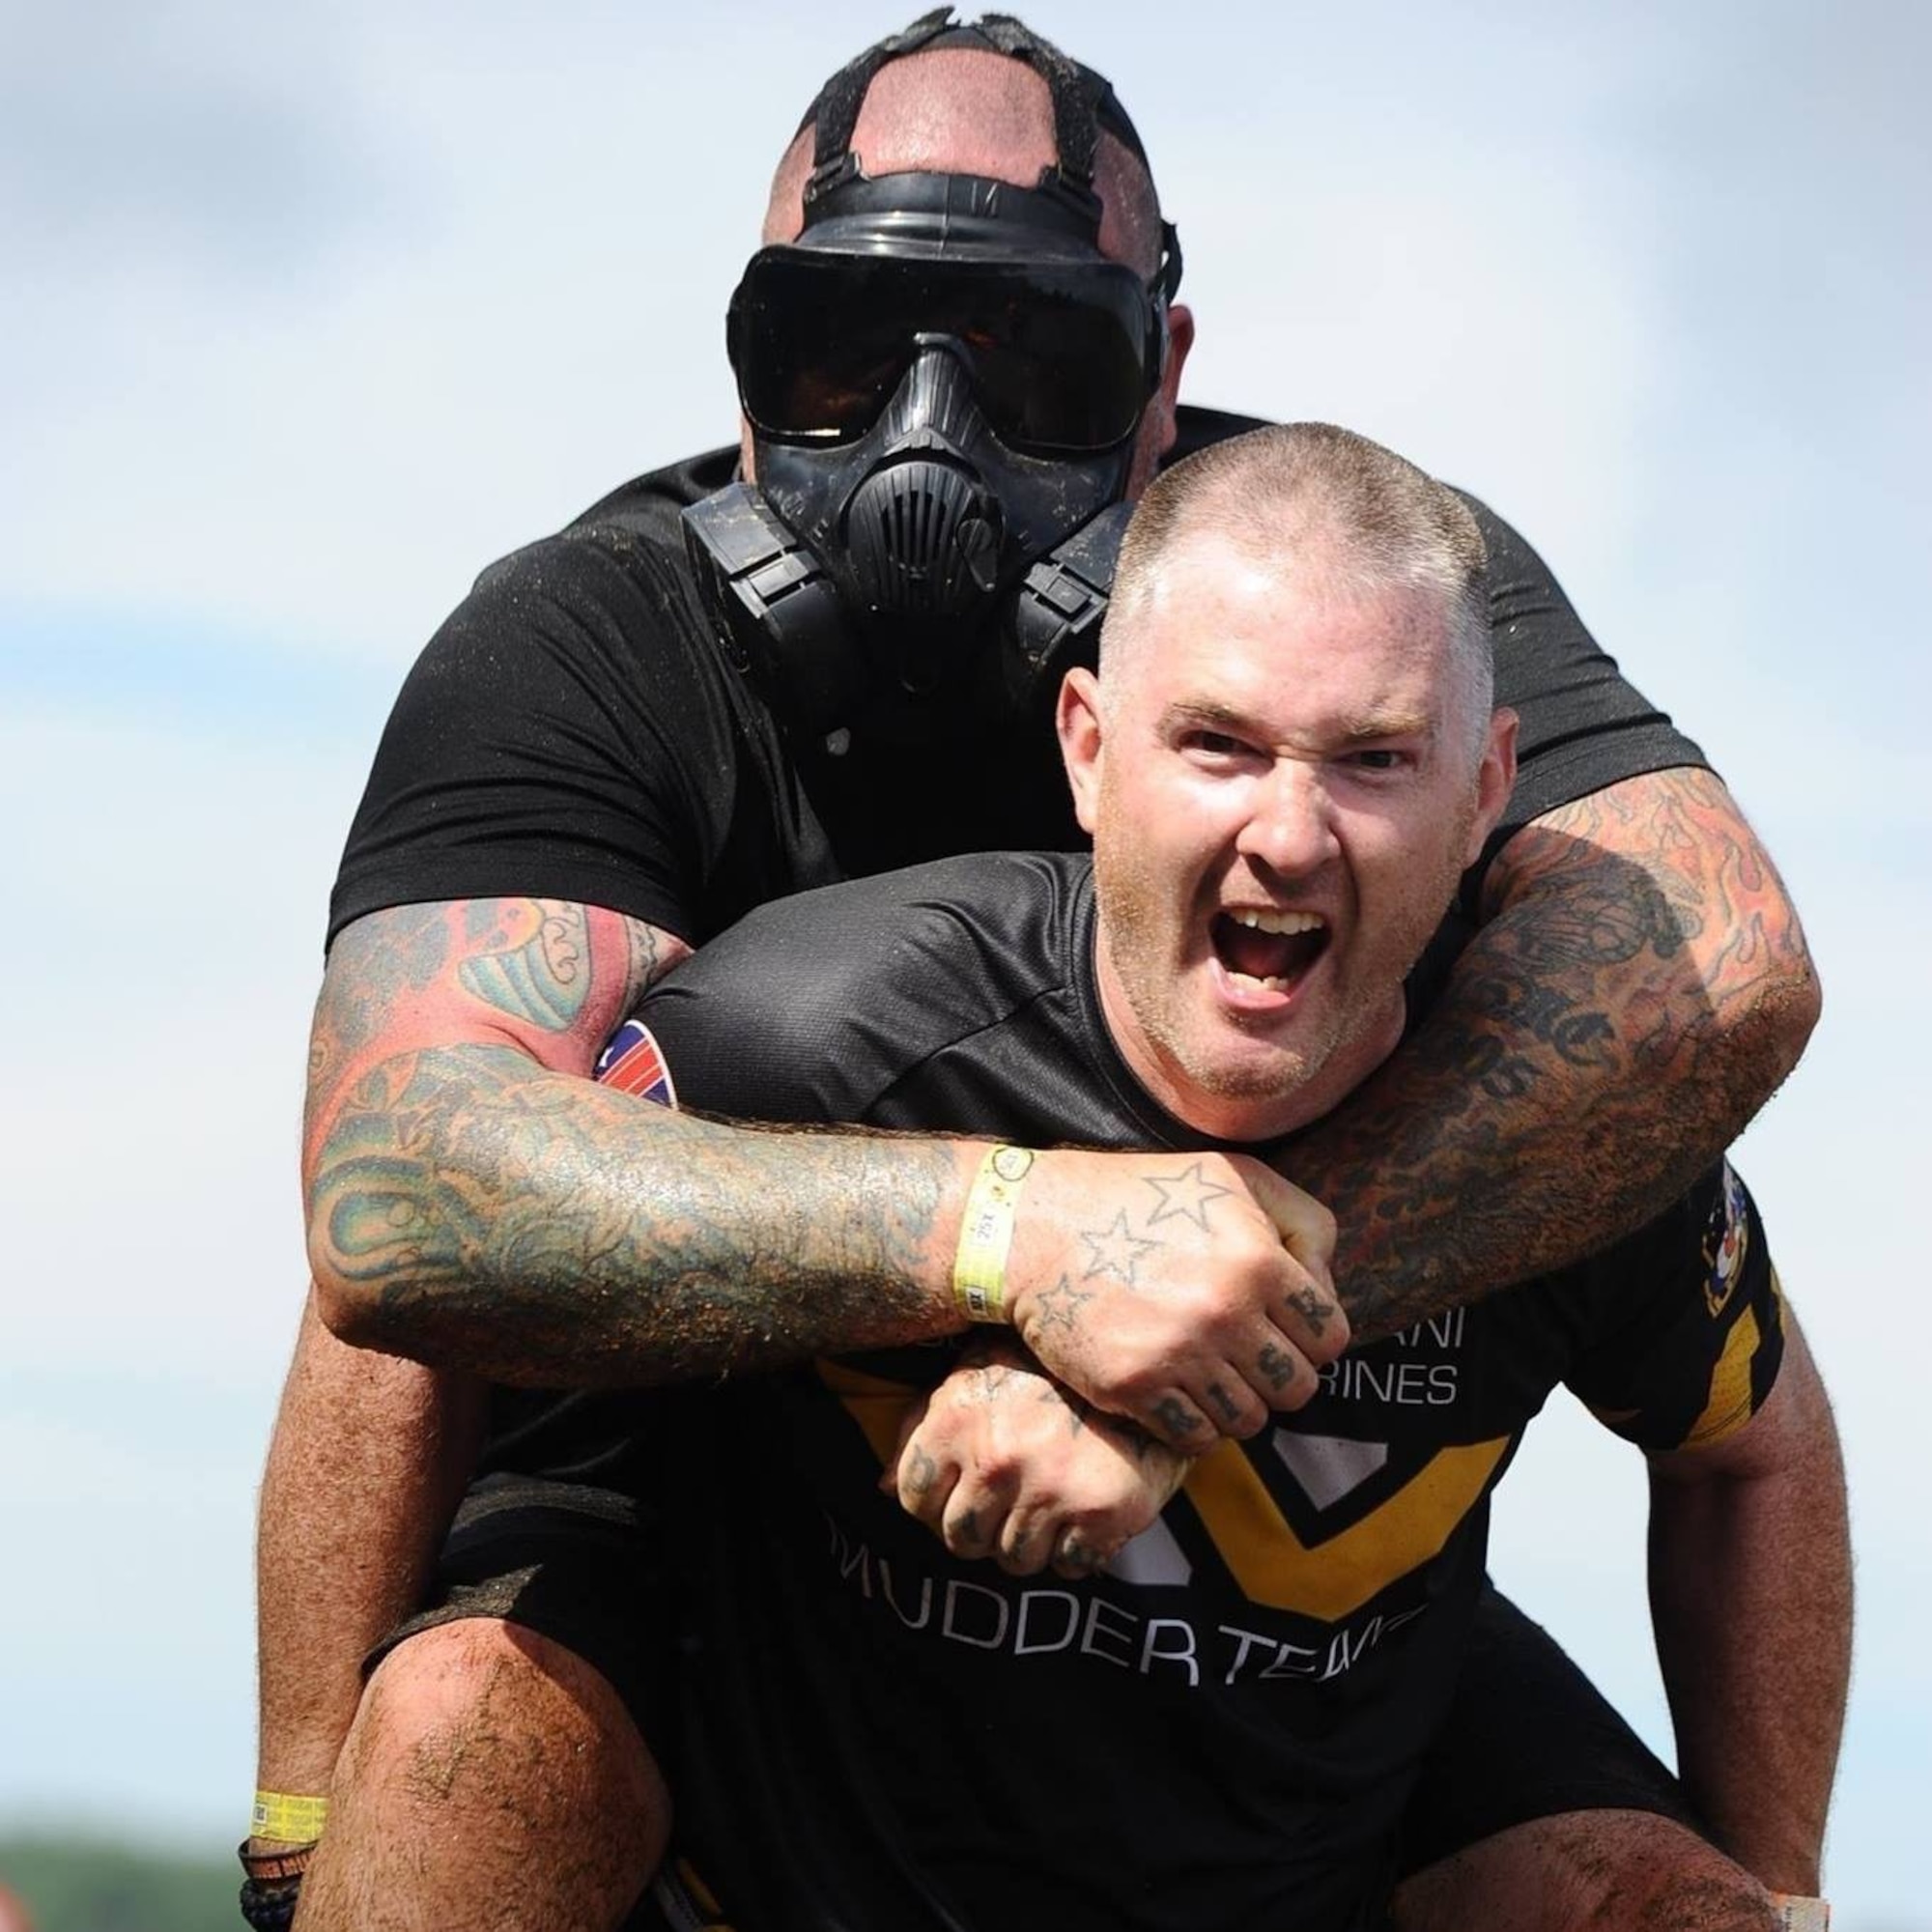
1084 103
926 572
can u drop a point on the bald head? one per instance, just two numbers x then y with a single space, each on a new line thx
969 111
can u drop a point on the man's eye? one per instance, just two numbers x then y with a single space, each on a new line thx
1376 760
1214 744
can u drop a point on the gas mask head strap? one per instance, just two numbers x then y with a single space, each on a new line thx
1083 102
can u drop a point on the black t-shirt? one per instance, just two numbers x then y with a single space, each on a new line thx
573 731
1223 1731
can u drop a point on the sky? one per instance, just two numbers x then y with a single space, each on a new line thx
309 314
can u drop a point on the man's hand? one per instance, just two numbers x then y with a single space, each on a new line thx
999 1460
1189 1293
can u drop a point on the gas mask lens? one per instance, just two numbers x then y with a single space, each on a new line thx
1062 356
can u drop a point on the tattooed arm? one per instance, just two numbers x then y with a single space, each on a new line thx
1637 991
479 1205
370 1453
473 1203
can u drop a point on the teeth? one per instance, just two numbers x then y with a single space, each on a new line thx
1267 982
1278 921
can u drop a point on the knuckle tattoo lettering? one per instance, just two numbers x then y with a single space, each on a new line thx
1312 1307
1277 1365
1175 1417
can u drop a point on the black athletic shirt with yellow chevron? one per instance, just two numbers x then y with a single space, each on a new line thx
1221 1732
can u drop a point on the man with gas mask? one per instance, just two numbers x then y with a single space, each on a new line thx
945 380
936 509
616 746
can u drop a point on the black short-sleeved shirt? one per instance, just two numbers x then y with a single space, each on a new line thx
572 731
1222 1732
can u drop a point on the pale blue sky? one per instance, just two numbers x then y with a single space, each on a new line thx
306 319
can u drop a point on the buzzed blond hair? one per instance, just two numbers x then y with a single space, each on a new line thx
1335 508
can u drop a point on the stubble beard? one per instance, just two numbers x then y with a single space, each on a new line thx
1146 968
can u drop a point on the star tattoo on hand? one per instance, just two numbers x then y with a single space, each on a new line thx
1116 1251
1057 1307
1187 1194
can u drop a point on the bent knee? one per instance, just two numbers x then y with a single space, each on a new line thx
491 1711
1722 1898
1607 1871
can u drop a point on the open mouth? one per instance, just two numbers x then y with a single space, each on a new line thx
1273 949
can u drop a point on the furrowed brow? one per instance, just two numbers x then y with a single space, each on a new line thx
1365 726
1208 714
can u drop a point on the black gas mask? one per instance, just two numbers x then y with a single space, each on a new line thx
944 379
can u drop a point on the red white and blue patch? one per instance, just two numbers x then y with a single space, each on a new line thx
634 1063
1726 1243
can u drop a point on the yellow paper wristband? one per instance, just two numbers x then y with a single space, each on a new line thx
987 1232
291 1821
1801 1915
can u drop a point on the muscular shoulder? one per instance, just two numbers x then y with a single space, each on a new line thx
613 602
814 1006
572 731
611 589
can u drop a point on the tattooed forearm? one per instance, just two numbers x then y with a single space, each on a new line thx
1638 991
475 1203
469 1209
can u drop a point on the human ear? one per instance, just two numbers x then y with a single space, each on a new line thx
1077 720
1495 780
1180 340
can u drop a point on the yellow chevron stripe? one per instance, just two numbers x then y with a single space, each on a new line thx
1338 1576
1729 1405
877 1405
1264 1555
